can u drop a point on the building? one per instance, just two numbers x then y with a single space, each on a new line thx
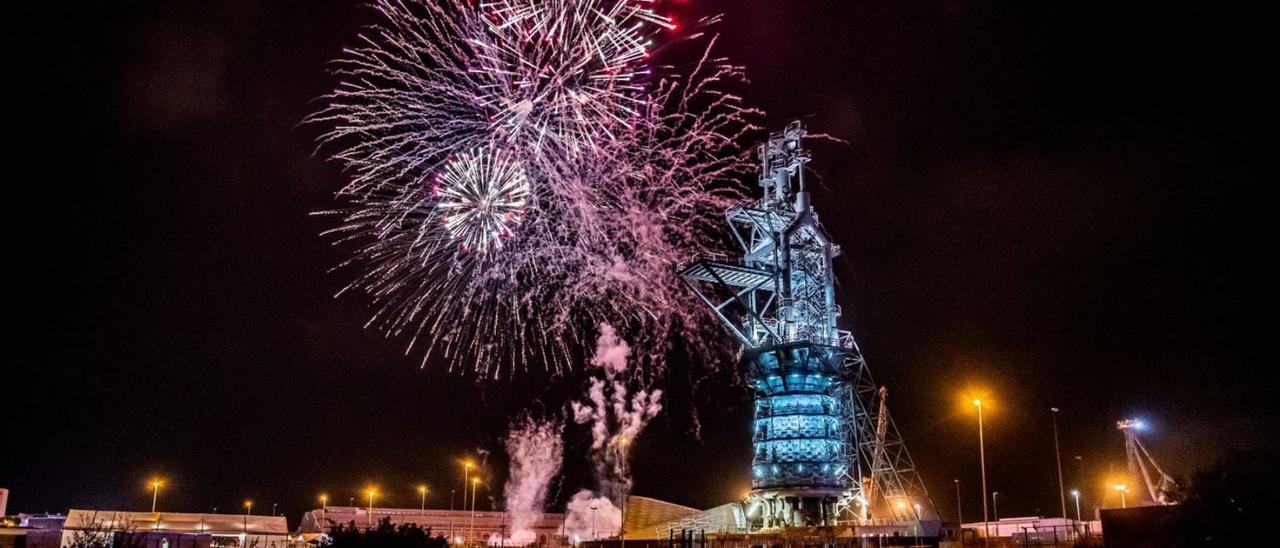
176 530
652 519
463 526
31 531
1035 528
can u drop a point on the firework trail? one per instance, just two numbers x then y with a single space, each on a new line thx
520 174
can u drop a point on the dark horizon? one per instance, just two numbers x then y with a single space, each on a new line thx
1060 204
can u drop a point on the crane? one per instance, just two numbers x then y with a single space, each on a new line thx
1159 489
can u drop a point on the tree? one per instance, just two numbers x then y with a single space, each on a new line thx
1231 503
385 535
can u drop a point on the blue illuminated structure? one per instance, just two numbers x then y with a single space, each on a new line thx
824 452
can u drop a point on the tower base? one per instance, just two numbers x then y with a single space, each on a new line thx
770 509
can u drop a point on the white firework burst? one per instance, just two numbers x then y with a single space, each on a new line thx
482 197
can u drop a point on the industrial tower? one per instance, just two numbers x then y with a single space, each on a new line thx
826 451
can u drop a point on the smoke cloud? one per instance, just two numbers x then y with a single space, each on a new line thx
589 516
536 453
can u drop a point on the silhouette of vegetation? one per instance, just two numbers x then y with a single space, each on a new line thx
385 535
1232 503
98 533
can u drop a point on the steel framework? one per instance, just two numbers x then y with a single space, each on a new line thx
1157 491
826 449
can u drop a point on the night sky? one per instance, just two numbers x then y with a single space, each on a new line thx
1057 202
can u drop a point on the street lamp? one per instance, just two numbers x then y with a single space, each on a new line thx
475 482
324 503
248 509
1062 497
422 490
915 527
594 536
1080 473
1122 488
155 492
982 458
452 494
371 492
995 503
625 441
466 478
959 514
1075 493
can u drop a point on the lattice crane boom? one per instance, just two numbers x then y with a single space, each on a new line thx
1160 486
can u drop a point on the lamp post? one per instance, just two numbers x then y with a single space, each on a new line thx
594 536
1075 493
453 492
995 506
371 492
625 442
422 490
471 533
915 528
1057 452
466 479
155 493
1080 473
273 509
1122 488
982 459
959 514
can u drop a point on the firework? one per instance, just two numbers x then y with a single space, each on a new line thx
569 69
482 196
520 175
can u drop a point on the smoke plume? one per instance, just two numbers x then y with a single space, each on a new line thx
536 452
616 413
589 516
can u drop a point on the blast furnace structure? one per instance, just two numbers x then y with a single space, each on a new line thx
826 452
